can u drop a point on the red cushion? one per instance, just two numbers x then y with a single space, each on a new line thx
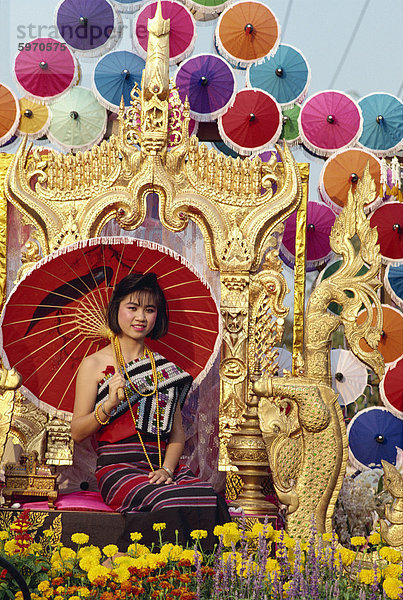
91 501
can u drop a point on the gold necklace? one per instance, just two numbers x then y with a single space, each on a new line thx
122 365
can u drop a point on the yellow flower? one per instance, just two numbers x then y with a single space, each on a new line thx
92 551
358 540
159 526
110 550
87 562
4 535
198 534
171 552
18 596
84 592
80 538
271 565
232 535
368 576
390 554
393 570
327 537
374 538
43 586
136 550
35 548
122 574
218 530
392 587
10 547
286 588
48 532
347 556
98 571
190 556
136 536
231 557
258 529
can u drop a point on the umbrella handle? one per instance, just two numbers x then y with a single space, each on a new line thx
121 392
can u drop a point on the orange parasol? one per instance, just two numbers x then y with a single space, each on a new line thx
246 32
391 342
343 170
35 119
9 113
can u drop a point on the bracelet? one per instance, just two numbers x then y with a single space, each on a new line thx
168 470
97 417
104 411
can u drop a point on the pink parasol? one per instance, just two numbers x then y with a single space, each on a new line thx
319 223
45 69
182 33
388 219
329 121
391 389
252 123
342 171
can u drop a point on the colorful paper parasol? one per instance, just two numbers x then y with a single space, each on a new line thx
391 388
319 222
349 376
382 131
393 282
55 316
115 75
35 119
246 32
342 171
252 123
290 130
127 6
329 270
373 435
182 33
9 113
78 120
285 76
329 121
225 149
208 81
91 27
388 219
391 342
207 7
45 69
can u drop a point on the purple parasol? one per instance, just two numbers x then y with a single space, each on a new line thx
88 26
209 83
319 223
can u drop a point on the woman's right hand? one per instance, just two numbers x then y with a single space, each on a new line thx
116 382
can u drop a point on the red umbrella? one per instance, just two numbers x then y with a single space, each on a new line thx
329 121
319 223
252 123
9 113
391 388
182 32
342 171
391 342
55 316
388 219
45 68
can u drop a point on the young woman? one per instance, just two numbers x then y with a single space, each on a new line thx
135 412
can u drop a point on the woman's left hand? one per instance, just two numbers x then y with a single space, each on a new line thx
159 476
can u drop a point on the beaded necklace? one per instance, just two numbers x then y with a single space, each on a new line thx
122 368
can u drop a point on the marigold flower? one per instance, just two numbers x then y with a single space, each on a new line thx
80 538
98 572
189 555
171 551
390 554
122 573
110 550
4 535
136 536
198 534
368 576
107 596
358 540
347 556
393 570
136 550
159 526
218 530
374 538
393 587
43 585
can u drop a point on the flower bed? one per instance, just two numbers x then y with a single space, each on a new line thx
258 564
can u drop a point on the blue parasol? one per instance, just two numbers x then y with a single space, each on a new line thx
115 75
90 27
382 130
286 75
373 435
208 81
393 282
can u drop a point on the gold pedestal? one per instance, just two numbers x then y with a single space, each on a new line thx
247 451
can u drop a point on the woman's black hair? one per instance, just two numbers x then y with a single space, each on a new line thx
133 283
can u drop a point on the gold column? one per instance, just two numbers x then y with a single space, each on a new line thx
5 160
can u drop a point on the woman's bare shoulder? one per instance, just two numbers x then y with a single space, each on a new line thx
97 362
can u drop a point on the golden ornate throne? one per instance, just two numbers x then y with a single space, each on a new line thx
292 425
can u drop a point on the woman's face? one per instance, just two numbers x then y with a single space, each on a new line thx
137 315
